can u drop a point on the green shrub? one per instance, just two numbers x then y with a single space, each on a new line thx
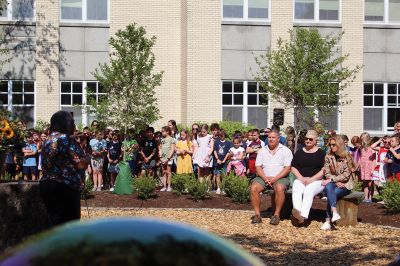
237 188
41 125
357 186
145 187
87 189
198 190
391 196
180 182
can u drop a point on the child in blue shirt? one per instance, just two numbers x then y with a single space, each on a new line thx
29 168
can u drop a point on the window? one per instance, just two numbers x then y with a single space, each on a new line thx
18 97
382 11
246 9
317 10
381 106
22 10
84 10
242 101
76 95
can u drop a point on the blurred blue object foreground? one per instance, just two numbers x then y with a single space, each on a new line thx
127 241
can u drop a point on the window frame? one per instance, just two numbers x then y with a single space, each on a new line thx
316 15
386 129
245 106
9 16
84 15
385 21
246 13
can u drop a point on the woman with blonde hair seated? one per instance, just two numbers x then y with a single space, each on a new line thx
337 169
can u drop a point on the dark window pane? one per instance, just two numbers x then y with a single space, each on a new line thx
77 99
65 99
101 88
3 86
226 86
378 88
252 87
17 99
392 100
398 99
393 116
29 98
3 99
77 87
368 88
227 99
238 87
378 101
328 14
65 86
232 113
373 119
304 10
368 100
17 86
238 99
91 98
258 116
263 99
91 87
392 88
252 99
29 86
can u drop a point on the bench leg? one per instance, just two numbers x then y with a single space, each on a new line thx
348 211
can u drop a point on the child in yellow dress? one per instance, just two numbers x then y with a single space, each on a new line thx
184 151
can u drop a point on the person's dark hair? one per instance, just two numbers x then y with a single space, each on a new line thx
167 129
62 122
175 128
345 137
94 121
86 128
150 129
222 133
273 130
276 128
204 126
256 130
214 126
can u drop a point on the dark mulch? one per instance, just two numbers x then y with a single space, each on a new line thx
373 213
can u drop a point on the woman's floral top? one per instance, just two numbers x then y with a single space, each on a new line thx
60 155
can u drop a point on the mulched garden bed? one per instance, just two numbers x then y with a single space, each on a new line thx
373 213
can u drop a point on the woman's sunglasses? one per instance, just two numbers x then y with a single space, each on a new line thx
332 144
309 139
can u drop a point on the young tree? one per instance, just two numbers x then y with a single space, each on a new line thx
129 81
306 73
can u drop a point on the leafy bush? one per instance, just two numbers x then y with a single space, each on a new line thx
180 182
229 126
145 187
357 186
391 196
237 188
87 189
198 190
41 125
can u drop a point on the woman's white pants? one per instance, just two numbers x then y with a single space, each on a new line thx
303 196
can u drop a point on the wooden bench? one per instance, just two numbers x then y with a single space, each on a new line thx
348 209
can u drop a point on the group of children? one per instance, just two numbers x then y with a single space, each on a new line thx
208 153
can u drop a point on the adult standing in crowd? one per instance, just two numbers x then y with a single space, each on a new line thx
307 166
272 166
337 168
63 165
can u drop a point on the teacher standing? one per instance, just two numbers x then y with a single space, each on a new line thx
63 166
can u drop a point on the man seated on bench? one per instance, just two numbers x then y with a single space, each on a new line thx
272 166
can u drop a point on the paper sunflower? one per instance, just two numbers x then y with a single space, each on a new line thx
9 133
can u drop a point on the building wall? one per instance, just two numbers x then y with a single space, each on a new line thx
353 44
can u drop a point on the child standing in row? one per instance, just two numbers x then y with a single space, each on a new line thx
114 156
167 150
203 153
236 154
29 164
221 150
184 151
366 166
98 146
393 158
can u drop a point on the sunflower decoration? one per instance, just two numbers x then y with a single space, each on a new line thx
5 125
9 133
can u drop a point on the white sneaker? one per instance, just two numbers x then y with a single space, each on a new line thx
163 189
112 189
169 189
98 189
326 226
218 191
324 198
335 217
94 189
